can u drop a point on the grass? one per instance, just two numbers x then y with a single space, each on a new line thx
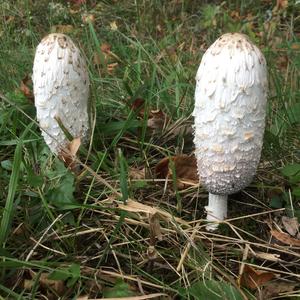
114 230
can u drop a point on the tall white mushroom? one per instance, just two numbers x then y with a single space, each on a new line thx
61 89
229 116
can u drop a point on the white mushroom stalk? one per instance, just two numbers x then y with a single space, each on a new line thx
229 116
61 89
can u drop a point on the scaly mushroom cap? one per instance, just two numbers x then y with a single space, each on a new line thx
61 89
230 105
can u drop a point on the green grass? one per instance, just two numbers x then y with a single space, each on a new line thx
70 225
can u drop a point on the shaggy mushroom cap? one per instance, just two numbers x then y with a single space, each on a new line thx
61 89
229 113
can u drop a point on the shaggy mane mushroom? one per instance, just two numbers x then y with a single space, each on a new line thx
229 118
61 89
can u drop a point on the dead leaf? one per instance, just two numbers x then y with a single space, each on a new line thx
9 19
105 48
253 278
155 231
282 62
281 4
28 284
285 238
185 168
57 285
181 127
25 89
235 15
74 146
276 288
135 173
68 155
291 225
152 253
62 28
138 106
97 60
113 26
106 58
172 53
295 46
88 18
157 120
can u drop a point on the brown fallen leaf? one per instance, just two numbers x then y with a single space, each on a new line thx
235 15
135 173
68 155
291 225
98 59
105 48
285 238
137 106
8 19
105 58
157 120
295 46
276 288
74 146
181 127
172 53
185 168
57 285
281 4
155 230
88 18
253 278
25 88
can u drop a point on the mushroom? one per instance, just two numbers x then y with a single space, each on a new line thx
229 119
61 89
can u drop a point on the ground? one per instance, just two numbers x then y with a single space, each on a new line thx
126 218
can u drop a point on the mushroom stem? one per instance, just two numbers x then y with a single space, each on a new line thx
216 210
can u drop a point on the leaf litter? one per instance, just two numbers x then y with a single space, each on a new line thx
291 225
184 168
254 278
26 88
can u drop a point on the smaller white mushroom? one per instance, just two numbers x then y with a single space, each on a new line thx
61 89
229 114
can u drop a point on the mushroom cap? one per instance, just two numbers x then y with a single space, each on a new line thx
229 113
61 89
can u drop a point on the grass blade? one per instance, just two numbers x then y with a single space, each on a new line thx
123 177
12 189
